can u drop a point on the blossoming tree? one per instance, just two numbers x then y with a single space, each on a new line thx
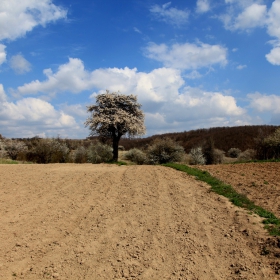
115 115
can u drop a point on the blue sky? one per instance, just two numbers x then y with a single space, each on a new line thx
192 64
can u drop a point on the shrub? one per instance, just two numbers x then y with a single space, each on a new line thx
197 156
247 155
233 152
48 151
3 152
208 151
80 155
218 156
272 145
135 155
98 153
15 149
163 151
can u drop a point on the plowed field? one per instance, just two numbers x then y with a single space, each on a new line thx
69 221
258 181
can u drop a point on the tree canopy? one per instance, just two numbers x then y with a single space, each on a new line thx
115 115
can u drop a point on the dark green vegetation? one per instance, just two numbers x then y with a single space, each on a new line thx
242 137
213 144
272 223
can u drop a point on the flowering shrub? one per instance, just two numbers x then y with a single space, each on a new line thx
135 155
197 156
3 152
163 151
48 151
15 149
98 153
80 155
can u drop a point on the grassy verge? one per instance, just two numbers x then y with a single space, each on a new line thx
10 161
7 161
272 223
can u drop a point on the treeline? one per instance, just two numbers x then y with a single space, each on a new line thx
224 138
247 142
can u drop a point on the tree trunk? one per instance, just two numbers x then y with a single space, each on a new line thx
116 140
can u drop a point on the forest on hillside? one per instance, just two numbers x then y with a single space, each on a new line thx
224 138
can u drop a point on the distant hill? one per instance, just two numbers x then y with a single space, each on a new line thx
242 137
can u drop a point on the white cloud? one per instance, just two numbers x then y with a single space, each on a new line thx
274 56
273 21
265 103
202 6
170 15
252 16
19 17
244 15
3 96
160 91
29 117
19 64
71 76
2 54
240 67
188 56
193 75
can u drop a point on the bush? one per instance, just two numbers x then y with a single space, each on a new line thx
208 151
3 153
197 156
15 149
233 152
48 151
80 155
163 151
135 155
218 156
247 155
98 153
272 145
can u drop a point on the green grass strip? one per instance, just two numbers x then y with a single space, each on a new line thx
7 161
272 223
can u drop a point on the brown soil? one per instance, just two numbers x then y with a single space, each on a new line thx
260 182
67 221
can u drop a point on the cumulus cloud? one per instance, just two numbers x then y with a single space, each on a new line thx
244 15
202 6
71 76
273 29
19 17
34 117
19 64
274 56
249 14
252 16
265 103
187 56
163 93
273 21
170 15
3 96
2 54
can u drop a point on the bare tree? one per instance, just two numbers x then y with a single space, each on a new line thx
115 115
